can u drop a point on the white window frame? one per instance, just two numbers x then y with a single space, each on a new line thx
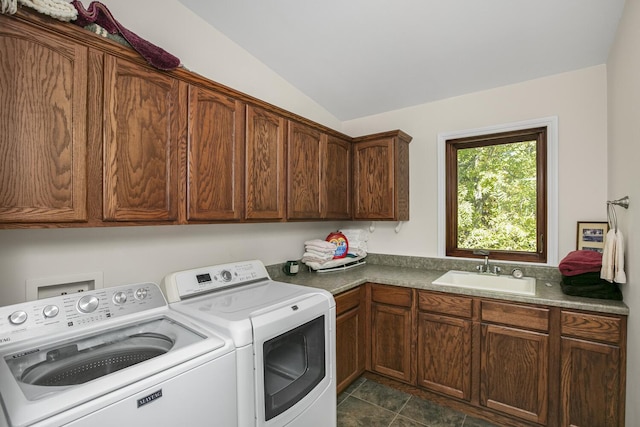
551 123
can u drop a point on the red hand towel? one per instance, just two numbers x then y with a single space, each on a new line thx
579 262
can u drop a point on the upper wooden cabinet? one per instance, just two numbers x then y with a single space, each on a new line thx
318 174
305 155
215 156
43 126
381 176
91 135
337 179
265 167
144 113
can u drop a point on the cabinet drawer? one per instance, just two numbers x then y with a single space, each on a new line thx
347 300
392 295
453 305
516 315
591 326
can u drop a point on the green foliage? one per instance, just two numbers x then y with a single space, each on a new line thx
497 197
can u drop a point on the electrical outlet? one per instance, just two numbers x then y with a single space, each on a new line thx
62 285
46 291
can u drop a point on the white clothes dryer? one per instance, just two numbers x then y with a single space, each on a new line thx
284 336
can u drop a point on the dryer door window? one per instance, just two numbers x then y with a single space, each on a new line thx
294 363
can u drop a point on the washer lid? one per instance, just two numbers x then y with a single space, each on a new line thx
171 338
42 370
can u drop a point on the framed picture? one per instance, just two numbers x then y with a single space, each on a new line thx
591 236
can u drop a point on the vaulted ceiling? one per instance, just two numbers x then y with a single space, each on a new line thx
362 57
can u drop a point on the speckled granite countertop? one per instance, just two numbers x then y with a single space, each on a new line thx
548 292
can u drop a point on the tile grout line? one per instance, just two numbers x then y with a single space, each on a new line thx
400 410
351 393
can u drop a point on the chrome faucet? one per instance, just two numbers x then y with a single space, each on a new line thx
485 268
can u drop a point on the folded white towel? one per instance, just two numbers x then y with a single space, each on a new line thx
357 252
608 256
320 255
619 274
322 249
320 243
332 263
613 258
314 260
357 239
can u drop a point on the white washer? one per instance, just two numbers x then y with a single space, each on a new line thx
114 356
284 336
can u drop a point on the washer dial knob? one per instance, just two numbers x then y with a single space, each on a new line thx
141 293
50 311
18 317
119 298
88 304
226 275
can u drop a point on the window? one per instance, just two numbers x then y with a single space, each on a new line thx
496 194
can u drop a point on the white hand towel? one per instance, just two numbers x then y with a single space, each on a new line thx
320 244
609 256
619 274
316 254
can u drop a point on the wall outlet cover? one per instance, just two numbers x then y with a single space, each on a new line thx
59 285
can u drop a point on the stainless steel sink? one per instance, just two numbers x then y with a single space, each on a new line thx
488 282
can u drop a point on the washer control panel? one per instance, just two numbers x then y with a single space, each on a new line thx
184 284
50 315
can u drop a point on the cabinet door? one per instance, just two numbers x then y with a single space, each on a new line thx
337 179
391 341
265 165
373 171
304 180
444 355
589 384
43 138
144 113
215 156
514 372
350 337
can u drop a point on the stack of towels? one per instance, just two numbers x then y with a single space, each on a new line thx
357 239
581 276
318 251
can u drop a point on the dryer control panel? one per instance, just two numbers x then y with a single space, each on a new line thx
50 315
189 283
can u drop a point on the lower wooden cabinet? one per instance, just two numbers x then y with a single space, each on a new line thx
392 335
514 360
592 379
444 344
514 372
529 364
350 336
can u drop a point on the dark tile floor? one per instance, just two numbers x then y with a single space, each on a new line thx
368 403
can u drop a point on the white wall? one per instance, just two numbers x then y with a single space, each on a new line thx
138 254
624 152
577 98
